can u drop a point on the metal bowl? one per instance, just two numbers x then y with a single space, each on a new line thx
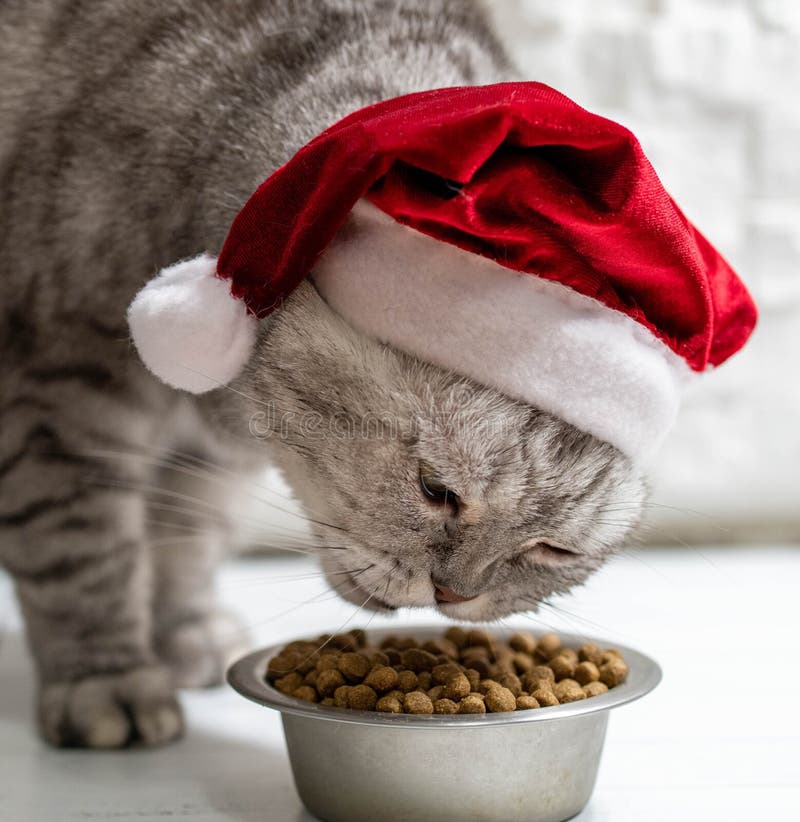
525 766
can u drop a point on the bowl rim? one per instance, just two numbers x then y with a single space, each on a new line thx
247 676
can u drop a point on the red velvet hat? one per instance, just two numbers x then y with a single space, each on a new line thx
499 231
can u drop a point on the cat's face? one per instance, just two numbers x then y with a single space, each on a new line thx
425 479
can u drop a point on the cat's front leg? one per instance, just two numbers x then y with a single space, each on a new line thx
82 575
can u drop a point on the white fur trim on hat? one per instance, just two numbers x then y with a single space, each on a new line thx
535 340
188 328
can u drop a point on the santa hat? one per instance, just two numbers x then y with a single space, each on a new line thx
502 232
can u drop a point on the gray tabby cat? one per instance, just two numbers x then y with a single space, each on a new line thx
129 140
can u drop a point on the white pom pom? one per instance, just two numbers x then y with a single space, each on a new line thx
188 328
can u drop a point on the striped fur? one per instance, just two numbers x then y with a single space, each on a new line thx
130 135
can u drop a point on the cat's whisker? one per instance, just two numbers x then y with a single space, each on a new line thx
162 462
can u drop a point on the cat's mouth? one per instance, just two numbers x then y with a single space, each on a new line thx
354 593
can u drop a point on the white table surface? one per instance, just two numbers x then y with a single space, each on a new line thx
718 740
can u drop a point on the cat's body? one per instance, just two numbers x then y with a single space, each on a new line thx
128 141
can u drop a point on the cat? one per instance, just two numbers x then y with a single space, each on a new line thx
130 140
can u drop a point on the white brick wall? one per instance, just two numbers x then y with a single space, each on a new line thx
712 90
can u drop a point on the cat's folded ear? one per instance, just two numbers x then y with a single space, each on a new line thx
188 328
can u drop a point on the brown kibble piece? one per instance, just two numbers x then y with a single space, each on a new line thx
327 701
522 662
474 678
457 687
389 705
394 656
456 635
500 700
526 703
306 693
472 704
441 673
523 642
480 664
485 684
545 697
407 681
562 666
418 702
378 659
360 636
424 680
382 679
283 664
328 681
417 660
290 683
613 671
441 646
568 690
345 642
510 681
589 652
436 692
328 662
477 636
548 646
537 675
361 698
445 706
571 654
595 688
340 696
586 672
354 666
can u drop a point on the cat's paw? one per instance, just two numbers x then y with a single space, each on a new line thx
111 711
199 651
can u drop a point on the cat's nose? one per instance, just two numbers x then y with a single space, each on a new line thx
445 594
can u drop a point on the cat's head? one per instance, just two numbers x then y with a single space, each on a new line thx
422 485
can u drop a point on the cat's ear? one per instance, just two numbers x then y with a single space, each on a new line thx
188 328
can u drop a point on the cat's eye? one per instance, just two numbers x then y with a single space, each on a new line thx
556 550
434 489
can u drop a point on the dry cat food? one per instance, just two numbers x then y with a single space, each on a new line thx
465 671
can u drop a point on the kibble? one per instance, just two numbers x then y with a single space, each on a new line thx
562 666
445 706
586 672
457 687
613 671
382 679
328 681
568 690
461 672
306 693
545 697
500 700
548 646
523 642
471 704
407 681
361 698
589 652
389 705
354 666
418 703
595 688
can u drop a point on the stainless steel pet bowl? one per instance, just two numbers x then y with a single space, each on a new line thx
526 766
